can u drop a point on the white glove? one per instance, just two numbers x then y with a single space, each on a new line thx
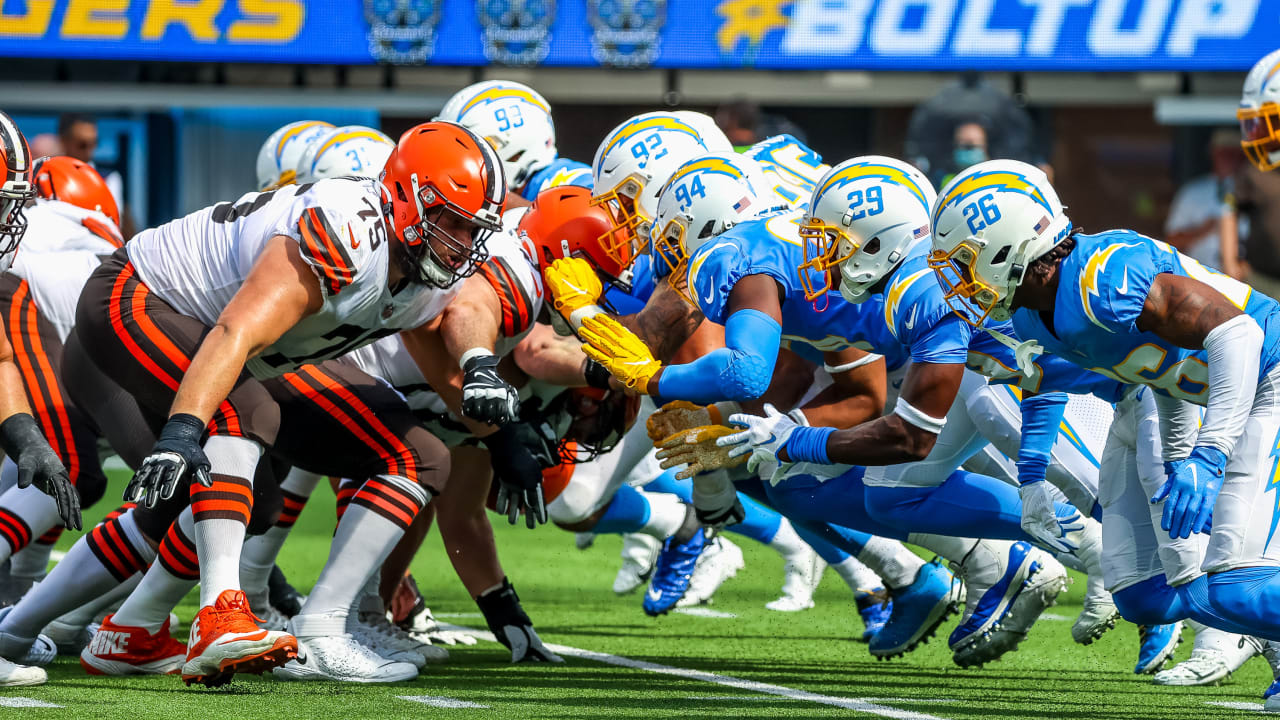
1041 522
763 438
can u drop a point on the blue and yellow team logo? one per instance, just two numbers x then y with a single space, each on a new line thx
503 92
992 181
626 33
516 32
746 23
711 165
636 126
873 171
1093 271
402 32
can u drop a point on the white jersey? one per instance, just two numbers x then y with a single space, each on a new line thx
198 263
56 226
515 279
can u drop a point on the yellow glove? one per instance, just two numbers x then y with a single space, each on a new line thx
623 354
679 415
697 448
573 285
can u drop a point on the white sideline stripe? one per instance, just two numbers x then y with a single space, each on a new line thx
57 555
23 702
459 615
1235 705
1055 616
930 701
704 612
443 702
858 704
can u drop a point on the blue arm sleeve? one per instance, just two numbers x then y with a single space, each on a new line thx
742 370
1041 418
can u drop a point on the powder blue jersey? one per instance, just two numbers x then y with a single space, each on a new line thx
1103 287
791 168
561 171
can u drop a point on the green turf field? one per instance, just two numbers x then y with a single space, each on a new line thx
758 664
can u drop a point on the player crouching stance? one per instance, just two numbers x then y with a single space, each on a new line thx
193 316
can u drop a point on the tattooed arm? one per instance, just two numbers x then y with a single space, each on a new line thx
665 323
1184 310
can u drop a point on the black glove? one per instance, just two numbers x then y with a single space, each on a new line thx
512 627
519 477
176 457
719 519
39 465
486 397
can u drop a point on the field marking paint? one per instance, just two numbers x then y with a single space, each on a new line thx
443 702
858 704
458 615
1235 705
23 702
57 555
704 612
1055 616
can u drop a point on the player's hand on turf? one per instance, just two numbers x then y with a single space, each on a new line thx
1041 521
764 439
519 476
573 285
512 627
176 457
618 349
39 465
1191 491
486 397
697 449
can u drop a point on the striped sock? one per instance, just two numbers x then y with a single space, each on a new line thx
376 519
221 513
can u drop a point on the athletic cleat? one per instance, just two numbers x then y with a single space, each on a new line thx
70 638
341 658
672 573
14 675
1270 697
917 611
225 640
801 576
1098 616
1156 646
39 650
639 555
422 626
1047 580
269 618
720 561
398 643
987 607
875 607
1204 667
126 650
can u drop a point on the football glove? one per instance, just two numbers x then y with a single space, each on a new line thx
680 415
573 285
1041 522
1191 491
486 397
512 627
620 351
39 465
698 449
764 437
519 477
177 456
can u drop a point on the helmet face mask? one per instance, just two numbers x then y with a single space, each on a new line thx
566 222
825 248
629 235
1259 113
16 188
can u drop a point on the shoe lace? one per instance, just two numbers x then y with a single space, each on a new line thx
239 603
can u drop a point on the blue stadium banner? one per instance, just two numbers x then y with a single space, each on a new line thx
1063 35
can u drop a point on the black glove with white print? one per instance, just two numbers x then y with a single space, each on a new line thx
512 627
486 397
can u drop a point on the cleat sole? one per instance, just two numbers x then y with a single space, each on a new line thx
284 650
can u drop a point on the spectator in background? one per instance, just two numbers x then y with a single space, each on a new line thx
968 147
46 145
745 124
1200 206
79 136
1255 200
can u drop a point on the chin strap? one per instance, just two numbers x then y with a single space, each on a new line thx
1024 354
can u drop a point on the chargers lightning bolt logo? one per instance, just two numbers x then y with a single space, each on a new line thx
1093 270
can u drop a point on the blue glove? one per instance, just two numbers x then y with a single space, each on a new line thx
1191 491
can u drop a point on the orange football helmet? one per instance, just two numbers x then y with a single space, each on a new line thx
75 182
564 222
15 188
443 191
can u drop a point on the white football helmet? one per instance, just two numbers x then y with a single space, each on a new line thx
863 215
703 198
637 158
989 224
1259 113
348 151
278 157
514 118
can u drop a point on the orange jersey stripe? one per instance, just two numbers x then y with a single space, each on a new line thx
116 313
400 453
55 400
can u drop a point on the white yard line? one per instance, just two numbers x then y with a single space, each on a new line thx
22 702
858 704
443 702
1055 616
1234 705
704 612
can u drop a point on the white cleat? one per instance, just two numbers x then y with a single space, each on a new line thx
26 651
269 617
14 675
1039 591
720 561
373 630
1204 667
422 626
639 554
802 574
341 658
1098 615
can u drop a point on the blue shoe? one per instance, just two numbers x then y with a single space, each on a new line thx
875 607
672 572
1269 692
917 611
988 606
1157 643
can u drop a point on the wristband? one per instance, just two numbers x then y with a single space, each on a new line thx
474 352
809 445
597 375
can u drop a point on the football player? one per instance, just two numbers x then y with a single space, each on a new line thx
280 152
349 151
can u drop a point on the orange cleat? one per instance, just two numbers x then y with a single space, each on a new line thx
127 650
225 640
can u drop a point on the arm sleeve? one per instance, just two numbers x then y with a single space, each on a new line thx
1041 418
742 370
1179 422
1234 348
